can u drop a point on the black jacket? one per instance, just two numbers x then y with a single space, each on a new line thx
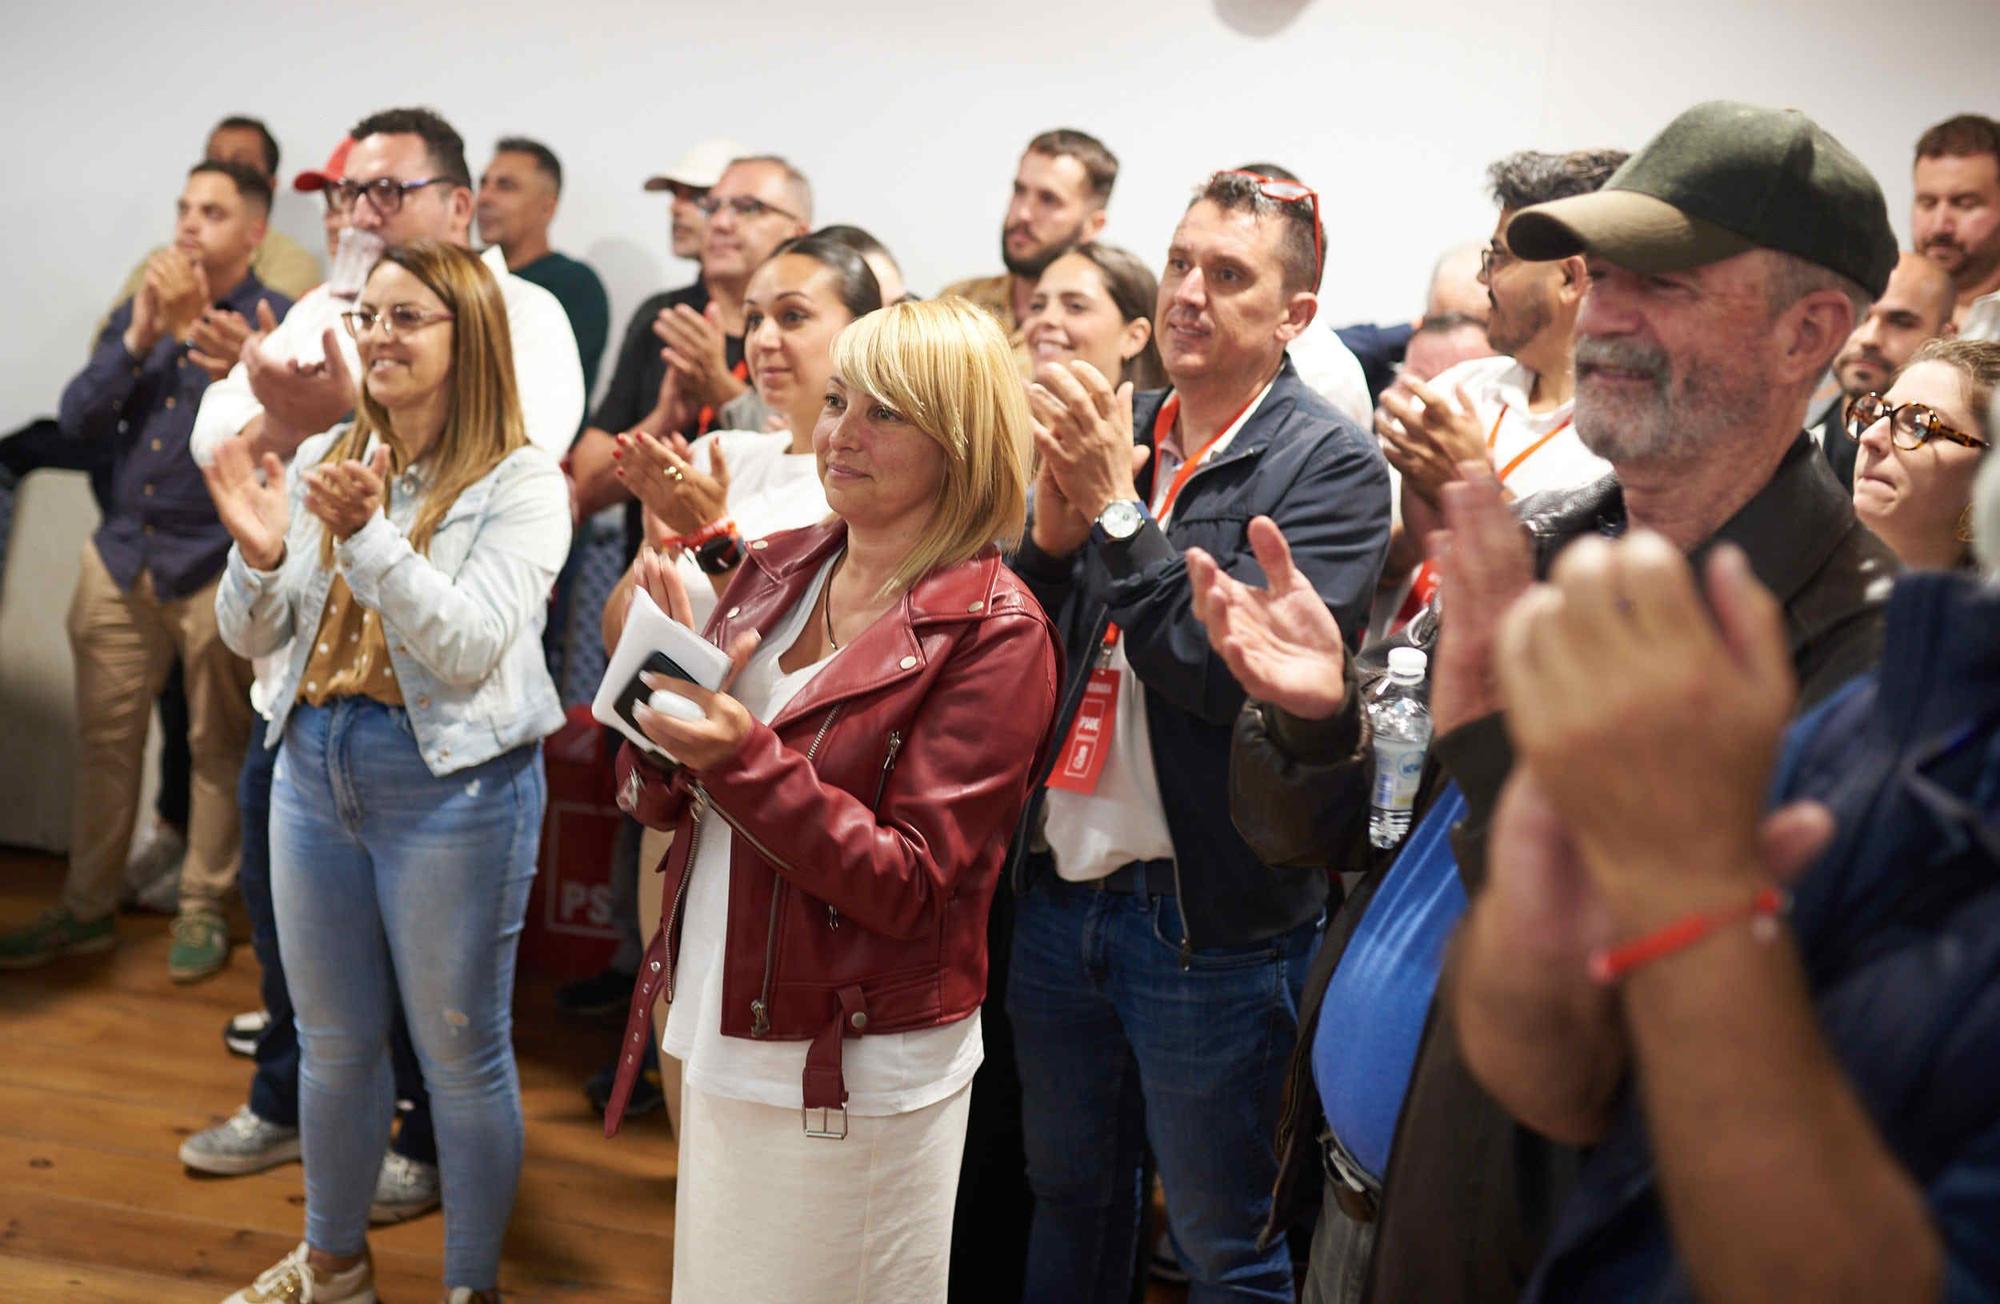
1470 1195
1324 482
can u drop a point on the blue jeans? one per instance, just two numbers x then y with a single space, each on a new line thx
1120 1046
384 876
274 1088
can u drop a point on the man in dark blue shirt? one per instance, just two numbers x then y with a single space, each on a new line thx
146 592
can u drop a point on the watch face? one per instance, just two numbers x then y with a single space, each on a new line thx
1121 520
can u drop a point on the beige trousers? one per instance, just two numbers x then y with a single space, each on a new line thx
125 643
764 1212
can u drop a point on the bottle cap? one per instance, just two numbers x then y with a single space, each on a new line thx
1407 663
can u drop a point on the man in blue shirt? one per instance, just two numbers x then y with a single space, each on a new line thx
147 588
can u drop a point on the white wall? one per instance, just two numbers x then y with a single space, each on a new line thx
909 114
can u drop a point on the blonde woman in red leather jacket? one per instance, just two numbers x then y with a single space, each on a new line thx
841 814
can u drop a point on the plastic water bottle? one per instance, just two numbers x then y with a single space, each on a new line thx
1402 727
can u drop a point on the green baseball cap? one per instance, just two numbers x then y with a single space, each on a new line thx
1722 179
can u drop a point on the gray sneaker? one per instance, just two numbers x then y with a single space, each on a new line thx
242 1143
403 1190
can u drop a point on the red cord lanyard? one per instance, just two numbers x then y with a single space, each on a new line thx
1163 424
707 418
1493 436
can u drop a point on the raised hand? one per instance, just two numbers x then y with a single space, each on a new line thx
300 398
1427 436
147 324
697 349
182 286
1281 642
1484 566
215 341
1086 436
662 475
1652 725
347 495
254 509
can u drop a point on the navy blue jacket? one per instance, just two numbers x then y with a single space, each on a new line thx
1324 482
1899 928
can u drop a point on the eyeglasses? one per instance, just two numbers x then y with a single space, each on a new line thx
1490 257
398 319
1291 192
1909 425
385 193
742 206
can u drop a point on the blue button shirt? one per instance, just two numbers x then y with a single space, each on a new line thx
157 514
1373 1013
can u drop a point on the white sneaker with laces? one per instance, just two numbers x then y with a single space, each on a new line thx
291 1280
242 1143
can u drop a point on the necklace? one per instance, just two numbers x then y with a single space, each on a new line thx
826 600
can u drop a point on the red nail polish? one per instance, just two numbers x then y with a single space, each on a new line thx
617 453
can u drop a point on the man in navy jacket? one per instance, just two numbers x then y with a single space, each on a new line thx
1156 963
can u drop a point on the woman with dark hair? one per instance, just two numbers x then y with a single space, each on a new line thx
407 565
1096 303
1921 446
710 498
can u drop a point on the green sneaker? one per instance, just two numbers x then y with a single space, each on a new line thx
201 946
54 934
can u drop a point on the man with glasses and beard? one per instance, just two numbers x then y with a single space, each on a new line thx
1713 309
1060 190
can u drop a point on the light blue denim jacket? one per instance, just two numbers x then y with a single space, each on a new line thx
463 620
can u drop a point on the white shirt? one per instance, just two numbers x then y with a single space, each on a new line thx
1329 368
547 375
546 370
771 488
1498 387
895 1073
1092 834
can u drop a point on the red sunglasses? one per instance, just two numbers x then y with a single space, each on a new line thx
1291 192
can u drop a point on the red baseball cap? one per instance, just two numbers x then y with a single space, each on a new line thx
335 169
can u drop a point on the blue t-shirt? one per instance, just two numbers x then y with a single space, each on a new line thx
1373 1013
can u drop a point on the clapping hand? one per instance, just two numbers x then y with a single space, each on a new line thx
347 495
215 341
1281 642
1083 430
1484 565
662 475
1426 436
697 351
254 509
299 398
180 285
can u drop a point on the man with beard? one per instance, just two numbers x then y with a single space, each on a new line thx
1955 218
1712 311
1916 307
1512 410
1060 190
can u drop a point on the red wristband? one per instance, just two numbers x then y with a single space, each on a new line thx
713 530
1610 963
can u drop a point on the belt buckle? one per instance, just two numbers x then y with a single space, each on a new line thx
824 1132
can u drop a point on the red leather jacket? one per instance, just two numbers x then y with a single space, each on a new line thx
871 817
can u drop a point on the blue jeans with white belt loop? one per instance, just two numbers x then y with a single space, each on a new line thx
383 876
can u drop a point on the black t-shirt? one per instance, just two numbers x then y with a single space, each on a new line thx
635 382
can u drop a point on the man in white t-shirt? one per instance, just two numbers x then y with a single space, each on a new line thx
406 179
1512 409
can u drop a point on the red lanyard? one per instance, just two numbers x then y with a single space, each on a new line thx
707 418
1163 425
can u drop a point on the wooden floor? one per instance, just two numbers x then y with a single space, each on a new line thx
105 1066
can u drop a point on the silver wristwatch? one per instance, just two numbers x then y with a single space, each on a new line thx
1121 518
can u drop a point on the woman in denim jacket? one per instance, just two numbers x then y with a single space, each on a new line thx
408 563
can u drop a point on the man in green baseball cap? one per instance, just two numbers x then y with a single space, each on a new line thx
1728 262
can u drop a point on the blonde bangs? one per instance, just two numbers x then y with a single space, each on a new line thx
946 367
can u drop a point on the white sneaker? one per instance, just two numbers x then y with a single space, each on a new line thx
242 1143
404 1189
291 1280
153 872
